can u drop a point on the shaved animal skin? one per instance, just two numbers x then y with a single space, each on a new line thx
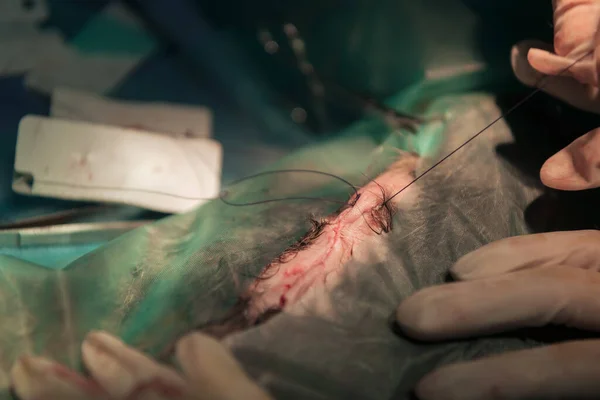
333 242
313 263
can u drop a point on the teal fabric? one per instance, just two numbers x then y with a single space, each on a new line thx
53 257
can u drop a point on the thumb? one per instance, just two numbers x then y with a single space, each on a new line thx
545 62
577 166
550 77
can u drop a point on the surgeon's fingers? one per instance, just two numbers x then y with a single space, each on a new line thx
582 68
562 371
212 371
580 249
125 373
577 166
530 298
563 87
37 378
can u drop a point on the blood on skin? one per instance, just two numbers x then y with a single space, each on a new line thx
323 251
294 271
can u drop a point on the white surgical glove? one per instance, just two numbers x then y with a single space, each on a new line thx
118 372
576 33
533 280
526 281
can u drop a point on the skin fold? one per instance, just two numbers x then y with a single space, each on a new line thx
315 262
320 255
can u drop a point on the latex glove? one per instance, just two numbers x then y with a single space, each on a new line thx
576 24
118 372
525 281
576 33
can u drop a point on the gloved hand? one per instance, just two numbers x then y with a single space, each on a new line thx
576 34
118 372
526 281
532 280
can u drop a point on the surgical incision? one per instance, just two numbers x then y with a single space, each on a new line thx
320 255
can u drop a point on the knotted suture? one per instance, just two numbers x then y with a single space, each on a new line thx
321 252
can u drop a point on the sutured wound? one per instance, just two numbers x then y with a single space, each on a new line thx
320 255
